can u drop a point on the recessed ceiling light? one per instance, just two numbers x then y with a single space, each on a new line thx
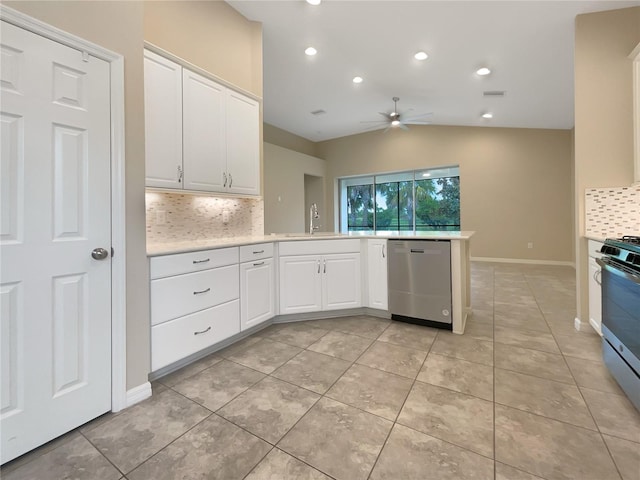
357 80
310 51
421 56
487 115
483 71
314 2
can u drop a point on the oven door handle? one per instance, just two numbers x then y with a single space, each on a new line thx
616 271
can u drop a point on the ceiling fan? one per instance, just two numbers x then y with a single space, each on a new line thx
395 119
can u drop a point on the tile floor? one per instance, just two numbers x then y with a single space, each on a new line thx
521 395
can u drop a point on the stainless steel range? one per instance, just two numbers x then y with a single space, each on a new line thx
621 312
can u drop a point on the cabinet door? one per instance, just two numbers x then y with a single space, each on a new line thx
341 281
163 121
203 133
300 284
377 274
243 144
257 302
595 295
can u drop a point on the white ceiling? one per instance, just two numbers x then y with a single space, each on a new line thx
527 44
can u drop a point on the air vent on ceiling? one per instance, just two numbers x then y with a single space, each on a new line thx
494 93
318 112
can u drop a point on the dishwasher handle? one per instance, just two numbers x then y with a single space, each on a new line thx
417 250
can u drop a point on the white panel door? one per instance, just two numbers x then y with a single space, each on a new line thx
300 284
341 281
203 133
243 144
377 274
162 121
257 296
56 299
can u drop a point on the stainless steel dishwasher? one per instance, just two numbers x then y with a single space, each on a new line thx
420 282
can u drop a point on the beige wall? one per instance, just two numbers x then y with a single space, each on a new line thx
603 115
515 183
284 177
209 34
282 138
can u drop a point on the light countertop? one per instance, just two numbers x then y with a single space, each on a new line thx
182 246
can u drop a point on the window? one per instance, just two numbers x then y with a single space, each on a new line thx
386 202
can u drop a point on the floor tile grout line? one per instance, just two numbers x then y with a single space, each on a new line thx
102 454
318 400
493 304
395 421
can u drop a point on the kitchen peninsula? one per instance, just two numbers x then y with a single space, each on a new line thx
208 293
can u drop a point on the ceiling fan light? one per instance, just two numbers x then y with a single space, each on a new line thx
487 115
421 56
358 79
395 123
483 71
310 51
314 2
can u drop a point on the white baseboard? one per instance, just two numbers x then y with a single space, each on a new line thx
577 323
139 393
523 260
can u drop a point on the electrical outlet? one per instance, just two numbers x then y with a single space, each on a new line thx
161 217
530 245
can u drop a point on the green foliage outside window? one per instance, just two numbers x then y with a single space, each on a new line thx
437 205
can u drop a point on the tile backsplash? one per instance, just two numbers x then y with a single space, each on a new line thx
612 212
177 216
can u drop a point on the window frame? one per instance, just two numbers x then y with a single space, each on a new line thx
431 173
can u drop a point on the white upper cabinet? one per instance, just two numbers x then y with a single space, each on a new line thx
204 156
243 144
163 121
200 135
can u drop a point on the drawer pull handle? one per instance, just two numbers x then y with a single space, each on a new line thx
201 261
203 291
256 253
258 264
203 331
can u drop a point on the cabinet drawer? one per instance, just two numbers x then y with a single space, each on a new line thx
173 297
180 263
256 252
319 247
184 336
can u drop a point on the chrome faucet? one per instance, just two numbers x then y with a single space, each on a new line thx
313 214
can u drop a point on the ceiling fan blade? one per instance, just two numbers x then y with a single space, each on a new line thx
386 115
387 129
373 127
403 126
375 121
417 117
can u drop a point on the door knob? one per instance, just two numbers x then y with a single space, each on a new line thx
99 253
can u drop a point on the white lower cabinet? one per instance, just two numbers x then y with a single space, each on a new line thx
595 295
192 310
377 274
595 288
312 283
300 284
179 338
257 293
